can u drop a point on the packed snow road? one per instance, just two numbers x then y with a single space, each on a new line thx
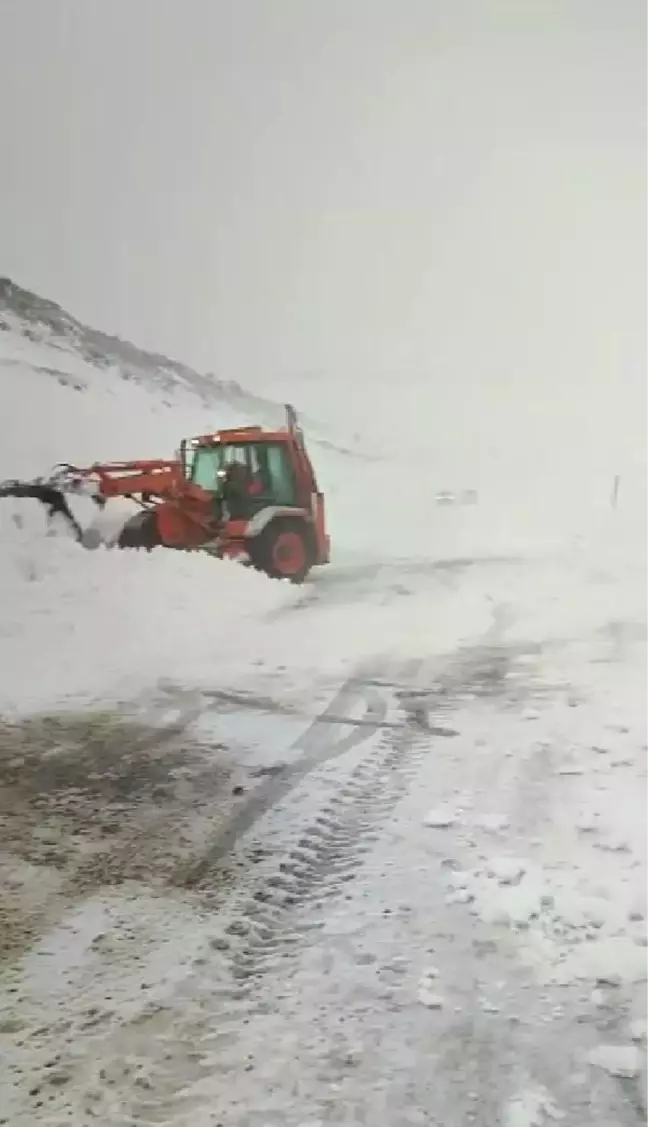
407 899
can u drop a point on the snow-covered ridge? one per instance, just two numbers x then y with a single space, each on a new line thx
67 343
55 344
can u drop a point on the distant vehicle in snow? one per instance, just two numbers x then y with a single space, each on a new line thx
465 497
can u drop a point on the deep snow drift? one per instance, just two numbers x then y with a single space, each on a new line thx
521 824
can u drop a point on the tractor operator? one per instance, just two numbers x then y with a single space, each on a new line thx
240 488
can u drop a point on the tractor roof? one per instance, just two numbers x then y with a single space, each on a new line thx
240 435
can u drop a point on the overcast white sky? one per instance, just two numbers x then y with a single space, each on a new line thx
442 190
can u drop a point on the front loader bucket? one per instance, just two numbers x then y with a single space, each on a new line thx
49 496
141 531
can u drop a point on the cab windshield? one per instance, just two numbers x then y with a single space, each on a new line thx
267 464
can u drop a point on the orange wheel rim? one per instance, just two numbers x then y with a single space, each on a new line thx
289 553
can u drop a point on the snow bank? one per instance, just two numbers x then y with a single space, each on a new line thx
78 624
81 624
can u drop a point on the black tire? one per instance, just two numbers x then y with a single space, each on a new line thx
140 531
283 550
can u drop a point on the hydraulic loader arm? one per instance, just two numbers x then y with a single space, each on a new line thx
149 482
148 479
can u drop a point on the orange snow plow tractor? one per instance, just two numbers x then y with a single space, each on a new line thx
246 493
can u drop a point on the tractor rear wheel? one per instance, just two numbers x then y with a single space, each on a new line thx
140 531
282 551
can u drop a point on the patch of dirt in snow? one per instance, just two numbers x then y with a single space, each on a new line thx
94 799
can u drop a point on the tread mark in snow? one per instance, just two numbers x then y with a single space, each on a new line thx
270 925
267 929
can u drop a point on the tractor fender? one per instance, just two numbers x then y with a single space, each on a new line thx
262 519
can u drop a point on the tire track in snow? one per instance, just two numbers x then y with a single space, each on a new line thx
318 747
158 1067
264 929
261 931
487 1063
327 854
372 788
344 583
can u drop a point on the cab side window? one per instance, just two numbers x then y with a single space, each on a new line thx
280 476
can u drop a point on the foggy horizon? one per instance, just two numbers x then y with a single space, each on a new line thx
449 195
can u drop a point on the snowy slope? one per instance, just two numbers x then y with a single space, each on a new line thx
77 354
410 794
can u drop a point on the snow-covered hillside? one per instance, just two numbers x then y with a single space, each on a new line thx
386 830
78 355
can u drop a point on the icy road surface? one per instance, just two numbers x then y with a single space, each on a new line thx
431 914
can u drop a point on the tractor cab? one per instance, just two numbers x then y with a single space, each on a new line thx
272 465
260 466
